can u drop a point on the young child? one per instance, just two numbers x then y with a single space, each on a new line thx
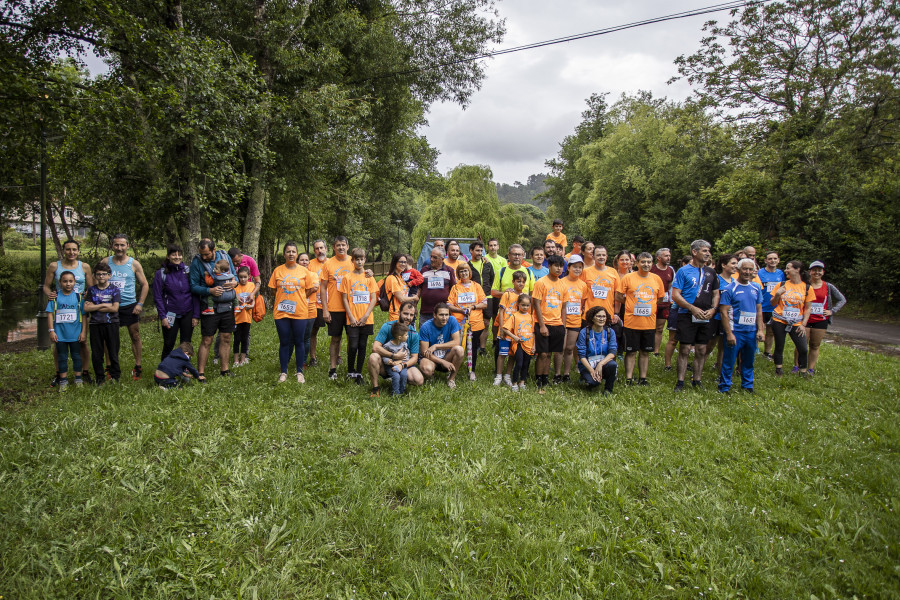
359 294
467 300
176 368
221 276
243 317
102 301
558 236
397 368
67 329
506 309
519 327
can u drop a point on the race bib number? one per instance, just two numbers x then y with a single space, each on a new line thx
599 292
170 317
360 297
337 282
667 297
770 286
791 314
643 311
117 283
466 298
286 306
594 360
405 276
435 283
67 316
573 308
696 320
439 353
747 319
817 308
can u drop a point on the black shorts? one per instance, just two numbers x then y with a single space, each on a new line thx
576 329
495 307
767 318
338 322
127 316
639 340
552 343
715 328
692 333
363 330
319 321
662 314
672 323
222 322
819 325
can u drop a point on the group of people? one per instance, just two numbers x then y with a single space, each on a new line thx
559 308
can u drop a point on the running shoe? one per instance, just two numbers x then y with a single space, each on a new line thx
514 387
136 372
498 379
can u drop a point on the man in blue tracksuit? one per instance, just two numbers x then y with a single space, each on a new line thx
741 308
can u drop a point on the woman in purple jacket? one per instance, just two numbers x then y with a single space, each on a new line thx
178 309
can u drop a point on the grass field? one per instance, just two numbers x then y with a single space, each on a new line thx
244 488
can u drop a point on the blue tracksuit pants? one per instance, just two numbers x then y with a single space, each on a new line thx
746 347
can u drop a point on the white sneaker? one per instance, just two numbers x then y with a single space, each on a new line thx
498 379
507 380
472 376
514 387
521 387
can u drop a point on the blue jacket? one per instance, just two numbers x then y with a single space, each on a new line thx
200 267
593 344
175 364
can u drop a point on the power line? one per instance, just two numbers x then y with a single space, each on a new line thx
735 4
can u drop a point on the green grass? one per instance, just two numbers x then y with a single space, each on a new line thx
245 488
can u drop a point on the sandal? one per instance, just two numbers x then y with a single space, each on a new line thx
301 378
201 378
282 378
451 384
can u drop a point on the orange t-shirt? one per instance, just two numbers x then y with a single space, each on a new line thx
244 295
316 267
550 295
291 287
467 295
576 293
602 286
392 286
333 272
559 238
507 307
361 292
452 264
793 302
522 326
641 297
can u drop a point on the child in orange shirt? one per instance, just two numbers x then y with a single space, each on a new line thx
467 300
558 236
506 308
243 316
519 327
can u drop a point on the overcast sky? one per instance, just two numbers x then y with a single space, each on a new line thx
531 100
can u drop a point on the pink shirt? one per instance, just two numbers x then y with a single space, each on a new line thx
248 262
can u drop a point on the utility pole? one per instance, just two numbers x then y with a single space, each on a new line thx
43 333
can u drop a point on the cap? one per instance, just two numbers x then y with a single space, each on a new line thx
817 263
575 258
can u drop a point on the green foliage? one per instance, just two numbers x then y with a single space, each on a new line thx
468 207
15 240
531 193
535 225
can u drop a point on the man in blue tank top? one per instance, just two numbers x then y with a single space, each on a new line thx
126 274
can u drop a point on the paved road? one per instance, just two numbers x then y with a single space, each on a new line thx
870 331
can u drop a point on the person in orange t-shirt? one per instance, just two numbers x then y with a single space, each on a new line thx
575 295
454 257
396 288
244 292
641 292
558 236
316 265
505 309
359 295
467 301
519 328
333 272
548 304
792 303
293 285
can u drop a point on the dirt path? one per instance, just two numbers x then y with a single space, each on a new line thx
871 336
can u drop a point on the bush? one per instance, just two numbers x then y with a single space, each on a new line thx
19 275
14 240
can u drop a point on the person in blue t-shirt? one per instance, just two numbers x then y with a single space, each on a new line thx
770 276
439 344
68 328
741 310
538 266
406 314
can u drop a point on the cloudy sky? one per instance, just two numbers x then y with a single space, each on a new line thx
530 100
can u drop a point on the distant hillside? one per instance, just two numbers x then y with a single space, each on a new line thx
519 193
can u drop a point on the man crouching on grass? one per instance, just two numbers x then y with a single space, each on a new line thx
439 344
406 315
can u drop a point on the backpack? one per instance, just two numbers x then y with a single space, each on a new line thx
384 302
259 309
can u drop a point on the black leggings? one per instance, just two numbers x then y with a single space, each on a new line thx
476 345
523 362
183 326
356 348
779 330
241 339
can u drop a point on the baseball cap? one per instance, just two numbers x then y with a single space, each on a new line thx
817 263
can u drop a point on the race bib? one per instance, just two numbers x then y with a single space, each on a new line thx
791 314
286 306
66 316
573 308
405 276
770 286
466 298
439 353
696 320
817 308
170 317
337 282
117 283
435 283
667 297
360 297
599 292
643 311
594 360
747 319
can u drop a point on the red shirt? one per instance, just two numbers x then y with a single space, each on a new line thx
668 276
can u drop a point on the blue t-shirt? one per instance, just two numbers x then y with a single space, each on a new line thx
538 273
108 295
743 300
696 285
431 334
384 336
67 312
770 281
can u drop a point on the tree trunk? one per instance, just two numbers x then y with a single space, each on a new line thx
52 225
62 219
